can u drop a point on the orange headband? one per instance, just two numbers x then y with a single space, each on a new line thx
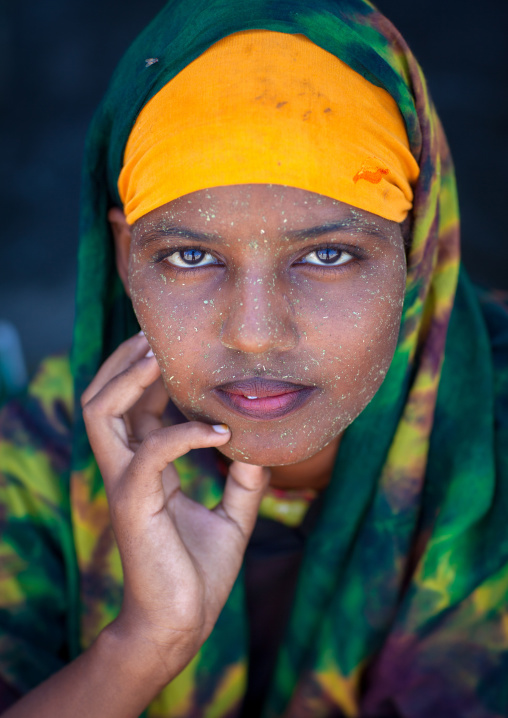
271 108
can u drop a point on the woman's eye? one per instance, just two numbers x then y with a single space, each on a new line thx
190 257
330 256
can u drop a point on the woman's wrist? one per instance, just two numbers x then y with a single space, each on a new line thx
138 659
118 676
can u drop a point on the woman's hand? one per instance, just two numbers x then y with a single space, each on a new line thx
179 559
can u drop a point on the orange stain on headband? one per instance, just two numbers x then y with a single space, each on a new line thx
371 172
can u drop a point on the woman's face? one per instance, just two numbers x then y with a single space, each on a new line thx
274 293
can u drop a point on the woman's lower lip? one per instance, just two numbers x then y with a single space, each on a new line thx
267 407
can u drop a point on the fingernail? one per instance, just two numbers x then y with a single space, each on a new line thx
141 333
149 353
221 428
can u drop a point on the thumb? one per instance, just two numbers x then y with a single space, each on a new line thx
245 487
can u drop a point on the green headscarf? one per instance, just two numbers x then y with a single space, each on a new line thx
400 604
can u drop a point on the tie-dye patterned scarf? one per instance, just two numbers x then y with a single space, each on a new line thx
400 605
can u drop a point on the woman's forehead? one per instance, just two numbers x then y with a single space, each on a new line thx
262 203
258 200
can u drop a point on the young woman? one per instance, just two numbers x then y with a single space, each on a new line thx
286 495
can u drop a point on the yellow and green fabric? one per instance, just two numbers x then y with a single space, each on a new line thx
401 605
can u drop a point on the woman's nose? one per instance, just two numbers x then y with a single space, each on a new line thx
259 318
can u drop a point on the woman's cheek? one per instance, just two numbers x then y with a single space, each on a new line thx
358 343
180 335
167 326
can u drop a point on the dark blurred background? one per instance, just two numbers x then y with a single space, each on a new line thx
56 57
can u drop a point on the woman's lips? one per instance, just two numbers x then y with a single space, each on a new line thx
263 399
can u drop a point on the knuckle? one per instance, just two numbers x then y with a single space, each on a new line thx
88 411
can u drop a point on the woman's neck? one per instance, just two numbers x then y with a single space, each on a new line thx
314 473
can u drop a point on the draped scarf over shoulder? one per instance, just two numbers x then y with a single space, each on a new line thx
400 605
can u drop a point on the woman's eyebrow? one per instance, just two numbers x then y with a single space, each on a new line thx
352 225
158 232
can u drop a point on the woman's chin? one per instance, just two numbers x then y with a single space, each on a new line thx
251 443
260 454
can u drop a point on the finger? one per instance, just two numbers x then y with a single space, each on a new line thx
155 398
146 414
104 414
245 486
122 392
127 353
143 480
